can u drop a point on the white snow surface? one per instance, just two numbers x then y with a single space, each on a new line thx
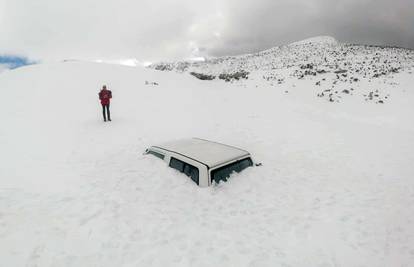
3 67
336 187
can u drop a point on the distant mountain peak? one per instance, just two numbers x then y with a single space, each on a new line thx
328 40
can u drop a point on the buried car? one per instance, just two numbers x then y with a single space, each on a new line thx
203 161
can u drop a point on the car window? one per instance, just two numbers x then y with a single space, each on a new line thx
177 164
158 155
185 168
245 163
222 173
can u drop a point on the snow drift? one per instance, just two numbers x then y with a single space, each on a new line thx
334 190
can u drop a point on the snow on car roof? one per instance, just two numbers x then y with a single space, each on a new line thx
207 152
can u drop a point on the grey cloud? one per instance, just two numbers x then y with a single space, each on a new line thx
165 29
256 25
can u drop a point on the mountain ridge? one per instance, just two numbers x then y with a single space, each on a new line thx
322 60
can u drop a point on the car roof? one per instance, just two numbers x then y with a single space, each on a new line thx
207 152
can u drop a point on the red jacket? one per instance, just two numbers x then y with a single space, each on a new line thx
105 96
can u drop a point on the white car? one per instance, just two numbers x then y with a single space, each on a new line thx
202 160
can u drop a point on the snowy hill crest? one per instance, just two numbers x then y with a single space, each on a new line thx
327 40
335 68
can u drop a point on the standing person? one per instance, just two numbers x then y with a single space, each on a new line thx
105 95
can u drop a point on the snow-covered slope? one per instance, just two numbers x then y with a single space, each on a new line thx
335 188
335 70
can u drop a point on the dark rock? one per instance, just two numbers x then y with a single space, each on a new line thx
307 66
234 76
204 77
151 83
370 95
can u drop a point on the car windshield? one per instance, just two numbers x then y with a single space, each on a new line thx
222 173
158 155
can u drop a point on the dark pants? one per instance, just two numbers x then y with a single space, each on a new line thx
106 108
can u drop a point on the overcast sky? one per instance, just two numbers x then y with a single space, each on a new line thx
152 30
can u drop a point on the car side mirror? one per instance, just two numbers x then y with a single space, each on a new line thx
146 152
258 164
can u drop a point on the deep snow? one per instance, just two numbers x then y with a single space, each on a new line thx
336 187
